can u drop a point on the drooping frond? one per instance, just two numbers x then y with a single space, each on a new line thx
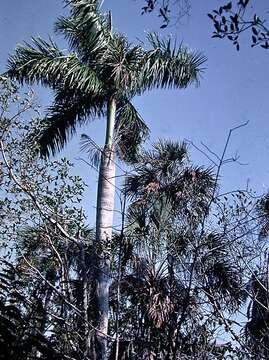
225 281
94 152
169 66
131 131
44 63
68 111
148 286
29 63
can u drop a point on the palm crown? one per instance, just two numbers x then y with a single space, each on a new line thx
101 64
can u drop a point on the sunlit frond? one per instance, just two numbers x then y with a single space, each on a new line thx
122 62
89 38
169 66
44 63
83 8
170 152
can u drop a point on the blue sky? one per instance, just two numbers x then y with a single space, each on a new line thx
234 87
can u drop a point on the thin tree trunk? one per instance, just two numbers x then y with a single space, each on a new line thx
104 222
83 301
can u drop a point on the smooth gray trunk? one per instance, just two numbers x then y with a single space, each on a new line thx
104 222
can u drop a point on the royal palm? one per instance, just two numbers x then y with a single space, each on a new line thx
99 77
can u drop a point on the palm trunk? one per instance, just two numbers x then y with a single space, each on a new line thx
104 222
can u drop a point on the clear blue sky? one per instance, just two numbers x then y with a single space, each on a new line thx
234 87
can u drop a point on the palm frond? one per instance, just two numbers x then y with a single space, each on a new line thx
92 150
44 63
169 151
88 37
69 110
149 285
164 176
226 281
192 190
80 8
122 61
157 169
169 66
136 219
131 131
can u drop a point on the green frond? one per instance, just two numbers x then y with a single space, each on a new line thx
169 66
131 132
164 175
103 64
89 39
44 63
40 61
122 65
158 168
136 219
170 151
82 8
68 111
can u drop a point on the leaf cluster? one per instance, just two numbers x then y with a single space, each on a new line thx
230 21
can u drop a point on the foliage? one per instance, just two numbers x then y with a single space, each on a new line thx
232 19
179 284
187 262
101 64
100 76
181 265
44 235
167 10
21 334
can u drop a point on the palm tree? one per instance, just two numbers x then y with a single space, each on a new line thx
99 77
172 273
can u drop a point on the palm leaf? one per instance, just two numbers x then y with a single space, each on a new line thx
169 66
83 8
131 131
122 65
69 110
44 63
89 37
170 152
92 150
